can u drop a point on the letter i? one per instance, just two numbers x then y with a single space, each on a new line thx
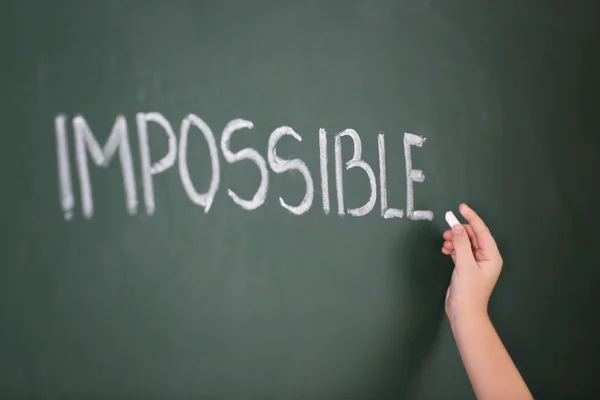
64 167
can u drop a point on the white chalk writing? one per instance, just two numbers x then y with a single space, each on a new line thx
177 150
279 165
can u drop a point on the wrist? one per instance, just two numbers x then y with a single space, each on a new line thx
466 319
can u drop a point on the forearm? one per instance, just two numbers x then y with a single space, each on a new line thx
489 366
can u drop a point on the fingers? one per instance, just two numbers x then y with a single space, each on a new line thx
462 245
449 252
447 248
480 230
447 235
472 237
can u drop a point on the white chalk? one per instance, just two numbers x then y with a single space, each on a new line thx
451 219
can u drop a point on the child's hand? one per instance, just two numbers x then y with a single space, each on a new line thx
477 266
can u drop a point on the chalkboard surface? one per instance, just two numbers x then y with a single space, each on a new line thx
244 200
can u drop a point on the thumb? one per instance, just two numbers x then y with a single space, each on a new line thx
462 244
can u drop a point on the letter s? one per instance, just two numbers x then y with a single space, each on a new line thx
245 154
279 165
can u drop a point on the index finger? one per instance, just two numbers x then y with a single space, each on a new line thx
482 232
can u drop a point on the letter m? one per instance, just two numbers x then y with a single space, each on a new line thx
86 142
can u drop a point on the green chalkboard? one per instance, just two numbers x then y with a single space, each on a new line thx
194 202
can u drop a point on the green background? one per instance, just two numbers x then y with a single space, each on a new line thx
264 304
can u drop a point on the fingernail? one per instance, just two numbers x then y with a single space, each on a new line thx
458 228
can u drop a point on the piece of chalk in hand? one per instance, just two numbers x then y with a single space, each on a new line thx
451 219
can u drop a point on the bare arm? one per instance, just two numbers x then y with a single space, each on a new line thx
488 364
478 263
